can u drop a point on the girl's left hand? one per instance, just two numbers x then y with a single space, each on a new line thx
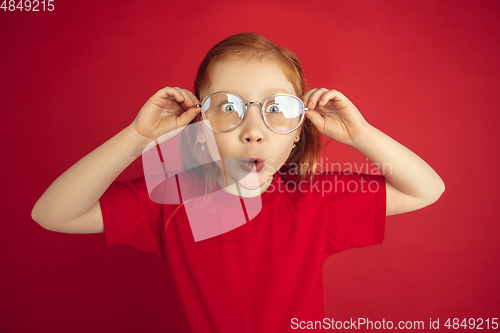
334 115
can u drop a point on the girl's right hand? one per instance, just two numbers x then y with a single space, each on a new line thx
166 111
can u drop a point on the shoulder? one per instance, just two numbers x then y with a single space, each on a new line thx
131 185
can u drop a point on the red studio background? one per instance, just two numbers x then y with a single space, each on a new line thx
424 72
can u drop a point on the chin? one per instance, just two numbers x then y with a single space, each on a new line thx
253 181
249 187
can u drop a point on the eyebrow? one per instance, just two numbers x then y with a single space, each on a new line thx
267 93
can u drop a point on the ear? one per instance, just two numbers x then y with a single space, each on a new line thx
297 134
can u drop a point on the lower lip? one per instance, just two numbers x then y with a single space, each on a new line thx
252 167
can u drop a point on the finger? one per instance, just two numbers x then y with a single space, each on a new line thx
336 96
316 119
305 99
315 97
186 99
192 96
339 101
187 102
185 118
163 95
171 94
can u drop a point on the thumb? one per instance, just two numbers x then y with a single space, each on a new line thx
186 117
316 119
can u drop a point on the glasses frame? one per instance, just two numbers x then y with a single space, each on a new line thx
262 111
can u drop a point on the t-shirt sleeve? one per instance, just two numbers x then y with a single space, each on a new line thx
131 218
356 211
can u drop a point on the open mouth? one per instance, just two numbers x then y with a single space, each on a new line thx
253 164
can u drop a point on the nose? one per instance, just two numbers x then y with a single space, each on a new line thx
253 125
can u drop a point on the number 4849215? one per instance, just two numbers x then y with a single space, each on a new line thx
472 323
28 5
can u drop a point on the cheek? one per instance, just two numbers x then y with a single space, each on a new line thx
282 148
285 142
219 144
211 142
278 146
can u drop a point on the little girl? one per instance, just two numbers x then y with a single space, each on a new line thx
245 229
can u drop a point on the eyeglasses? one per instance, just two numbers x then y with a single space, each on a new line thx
224 111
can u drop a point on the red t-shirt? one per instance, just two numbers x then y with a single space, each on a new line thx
262 274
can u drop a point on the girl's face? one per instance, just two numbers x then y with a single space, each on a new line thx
254 81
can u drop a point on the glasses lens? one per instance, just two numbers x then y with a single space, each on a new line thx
223 111
283 113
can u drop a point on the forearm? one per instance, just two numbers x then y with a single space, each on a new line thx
406 171
81 186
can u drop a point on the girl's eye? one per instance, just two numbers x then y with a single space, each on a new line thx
229 108
273 108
